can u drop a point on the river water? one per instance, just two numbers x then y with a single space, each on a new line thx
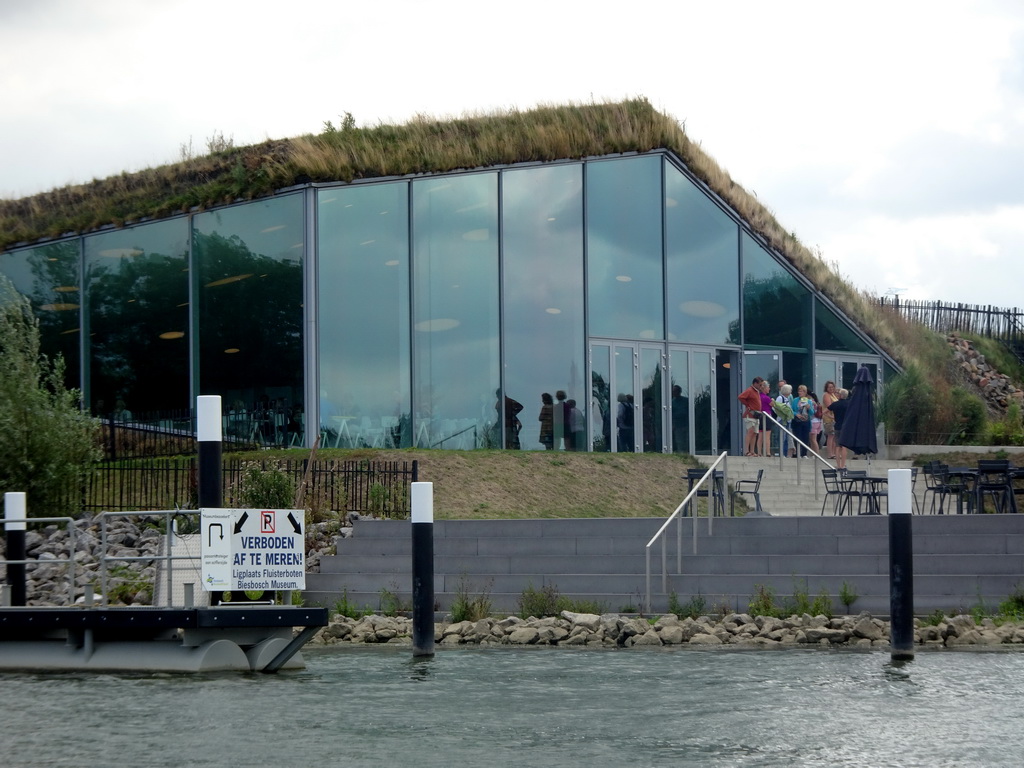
376 706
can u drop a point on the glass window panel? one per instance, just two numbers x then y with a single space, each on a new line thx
624 248
49 276
455 300
249 295
363 287
825 370
831 333
776 307
542 279
796 369
138 320
702 265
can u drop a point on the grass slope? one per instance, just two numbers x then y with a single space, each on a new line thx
528 484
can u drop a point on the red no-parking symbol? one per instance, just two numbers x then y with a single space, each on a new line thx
267 521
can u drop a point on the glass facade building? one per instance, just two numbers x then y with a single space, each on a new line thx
608 304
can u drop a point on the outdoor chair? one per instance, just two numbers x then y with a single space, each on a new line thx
936 483
747 486
834 490
913 489
716 504
994 480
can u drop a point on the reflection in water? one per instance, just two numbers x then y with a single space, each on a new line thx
420 668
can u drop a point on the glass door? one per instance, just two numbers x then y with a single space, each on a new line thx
692 400
652 414
628 411
613 411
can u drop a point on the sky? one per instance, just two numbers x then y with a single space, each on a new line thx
887 136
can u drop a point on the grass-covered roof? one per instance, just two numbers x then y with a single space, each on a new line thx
424 145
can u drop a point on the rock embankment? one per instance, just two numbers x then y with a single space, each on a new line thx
997 388
129 580
613 630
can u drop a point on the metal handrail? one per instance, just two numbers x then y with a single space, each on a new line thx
72 548
168 557
798 441
722 459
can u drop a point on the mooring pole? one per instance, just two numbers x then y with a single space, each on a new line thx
422 569
901 565
209 438
14 522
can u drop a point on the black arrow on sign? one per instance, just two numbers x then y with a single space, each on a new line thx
241 522
209 533
295 523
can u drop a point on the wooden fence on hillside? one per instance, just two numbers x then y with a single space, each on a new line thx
1000 323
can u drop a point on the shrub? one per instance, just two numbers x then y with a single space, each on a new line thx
391 604
346 607
694 607
763 602
545 601
1013 607
905 406
266 489
970 417
848 595
466 607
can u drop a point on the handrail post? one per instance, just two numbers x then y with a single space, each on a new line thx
725 480
647 559
664 567
679 544
103 558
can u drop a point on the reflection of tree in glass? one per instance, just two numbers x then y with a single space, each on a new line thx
651 403
132 302
601 392
55 286
774 311
702 419
252 304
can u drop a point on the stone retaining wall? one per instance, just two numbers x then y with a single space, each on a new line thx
613 630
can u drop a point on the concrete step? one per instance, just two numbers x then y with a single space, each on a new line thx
958 560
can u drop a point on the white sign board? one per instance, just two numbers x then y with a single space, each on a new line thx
253 549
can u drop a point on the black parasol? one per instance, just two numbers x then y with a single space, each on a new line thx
858 432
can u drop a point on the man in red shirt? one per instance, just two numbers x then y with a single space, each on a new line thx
750 398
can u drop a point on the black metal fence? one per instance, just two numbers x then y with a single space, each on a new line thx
373 487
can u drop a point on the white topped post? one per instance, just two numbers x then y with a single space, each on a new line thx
422 515
14 523
901 565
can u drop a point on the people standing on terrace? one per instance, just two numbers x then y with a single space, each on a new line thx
803 409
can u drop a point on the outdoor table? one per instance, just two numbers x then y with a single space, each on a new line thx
870 487
963 483
716 499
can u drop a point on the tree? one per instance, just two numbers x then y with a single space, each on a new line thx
47 445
